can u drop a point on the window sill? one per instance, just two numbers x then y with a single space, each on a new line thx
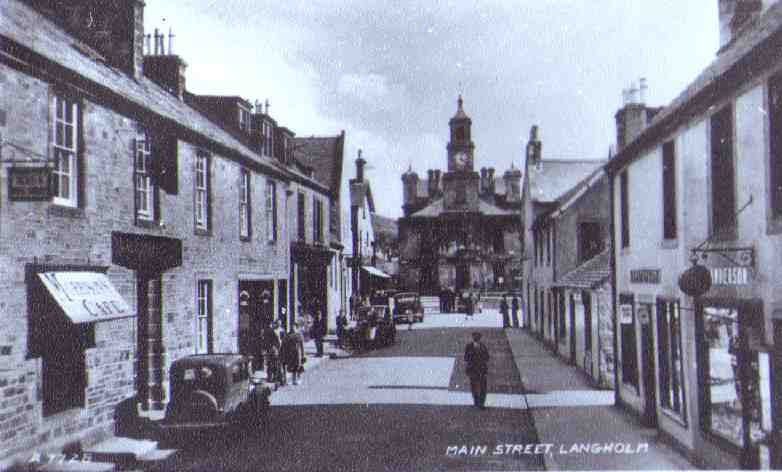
146 223
202 232
675 417
56 209
245 239
64 417
669 244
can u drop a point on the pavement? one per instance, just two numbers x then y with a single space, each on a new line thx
580 420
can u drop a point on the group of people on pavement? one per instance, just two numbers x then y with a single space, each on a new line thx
507 321
283 352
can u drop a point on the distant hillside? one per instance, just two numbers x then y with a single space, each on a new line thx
388 227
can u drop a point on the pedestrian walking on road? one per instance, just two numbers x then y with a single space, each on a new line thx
272 355
504 311
476 358
292 354
514 304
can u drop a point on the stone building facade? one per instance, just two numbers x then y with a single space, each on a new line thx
698 191
135 228
460 228
581 314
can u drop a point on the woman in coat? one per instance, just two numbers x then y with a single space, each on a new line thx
292 354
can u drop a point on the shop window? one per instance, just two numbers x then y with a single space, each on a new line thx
65 144
204 330
723 185
61 345
628 341
624 208
245 227
669 352
669 191
735 377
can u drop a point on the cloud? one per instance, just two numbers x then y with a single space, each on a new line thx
368 88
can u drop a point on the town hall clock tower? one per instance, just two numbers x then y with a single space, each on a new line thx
460 147
460 183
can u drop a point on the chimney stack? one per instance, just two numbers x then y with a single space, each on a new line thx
635 115
166 70
734 14
360 163
437 181
490 181
484 177
534 146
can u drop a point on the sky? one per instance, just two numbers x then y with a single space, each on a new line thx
389 74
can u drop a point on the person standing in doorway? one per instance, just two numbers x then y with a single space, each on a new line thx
504 311
514 308
476 359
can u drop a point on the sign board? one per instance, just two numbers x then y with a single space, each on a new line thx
85 296
645 276
643 314
626 314
29 184
730 275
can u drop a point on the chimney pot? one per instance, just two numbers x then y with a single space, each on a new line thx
643 90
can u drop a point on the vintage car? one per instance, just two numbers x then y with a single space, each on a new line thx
371 327
407 307
214 390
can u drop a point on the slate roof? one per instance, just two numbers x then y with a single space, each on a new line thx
23 25
550 179
590 274
755 49
563 199
324 155
437 208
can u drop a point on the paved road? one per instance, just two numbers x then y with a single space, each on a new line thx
397 409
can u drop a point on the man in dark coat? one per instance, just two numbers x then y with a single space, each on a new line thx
504 311
514 305
476 358
318 332
292 354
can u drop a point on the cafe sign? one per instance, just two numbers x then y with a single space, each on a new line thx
29 184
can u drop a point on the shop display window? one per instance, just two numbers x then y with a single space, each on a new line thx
737 380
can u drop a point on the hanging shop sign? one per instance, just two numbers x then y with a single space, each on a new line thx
731 267
645 276
29 184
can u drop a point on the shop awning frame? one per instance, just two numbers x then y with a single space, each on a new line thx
84 296
376 272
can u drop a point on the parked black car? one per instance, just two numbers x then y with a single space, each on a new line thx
407 307
214 390
371 328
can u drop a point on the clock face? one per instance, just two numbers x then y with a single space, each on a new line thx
460 159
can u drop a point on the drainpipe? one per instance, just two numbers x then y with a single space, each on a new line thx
612 259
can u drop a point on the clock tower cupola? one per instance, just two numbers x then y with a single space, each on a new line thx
460 146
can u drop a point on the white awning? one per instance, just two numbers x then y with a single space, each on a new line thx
376 272
86 296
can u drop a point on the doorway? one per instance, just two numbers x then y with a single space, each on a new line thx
256 311
648 369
